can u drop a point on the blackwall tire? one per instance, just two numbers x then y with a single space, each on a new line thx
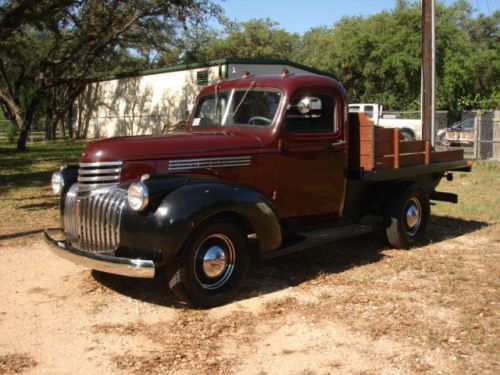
407 218
212 265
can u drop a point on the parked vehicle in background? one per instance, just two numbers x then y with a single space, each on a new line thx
411 129
460 133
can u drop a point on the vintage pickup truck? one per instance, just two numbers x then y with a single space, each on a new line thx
269 165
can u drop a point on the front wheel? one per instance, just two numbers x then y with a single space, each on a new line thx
212 266
407 217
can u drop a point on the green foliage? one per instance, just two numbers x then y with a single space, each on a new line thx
378 57
477 101
257 38
10 133
50 48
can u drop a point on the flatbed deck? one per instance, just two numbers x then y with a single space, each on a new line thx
414 170
379 154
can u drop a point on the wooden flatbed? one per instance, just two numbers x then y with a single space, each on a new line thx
379 154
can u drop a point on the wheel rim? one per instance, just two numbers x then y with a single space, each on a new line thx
412 216
214 261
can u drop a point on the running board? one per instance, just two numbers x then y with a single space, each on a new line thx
317 237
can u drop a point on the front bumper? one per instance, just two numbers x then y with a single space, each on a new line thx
101 262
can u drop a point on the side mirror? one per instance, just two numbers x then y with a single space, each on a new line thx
308 104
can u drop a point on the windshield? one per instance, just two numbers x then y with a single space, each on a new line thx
237 107
465 124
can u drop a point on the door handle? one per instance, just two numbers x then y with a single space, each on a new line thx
334 144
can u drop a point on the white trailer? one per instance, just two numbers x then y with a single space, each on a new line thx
152 101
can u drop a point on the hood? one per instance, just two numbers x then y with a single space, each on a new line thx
169 146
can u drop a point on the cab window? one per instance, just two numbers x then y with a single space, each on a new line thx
369 111
311 113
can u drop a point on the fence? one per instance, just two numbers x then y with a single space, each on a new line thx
476 132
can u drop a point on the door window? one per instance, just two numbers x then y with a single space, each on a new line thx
312 113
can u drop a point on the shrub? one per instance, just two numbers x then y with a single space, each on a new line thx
11 133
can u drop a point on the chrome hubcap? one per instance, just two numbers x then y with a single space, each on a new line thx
413 216
214 261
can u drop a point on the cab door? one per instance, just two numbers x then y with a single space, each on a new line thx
312 156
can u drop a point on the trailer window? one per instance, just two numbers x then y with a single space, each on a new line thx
320 119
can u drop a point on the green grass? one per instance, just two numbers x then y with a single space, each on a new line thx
478 193
33 167
27 202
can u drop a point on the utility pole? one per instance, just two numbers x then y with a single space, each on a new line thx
428 71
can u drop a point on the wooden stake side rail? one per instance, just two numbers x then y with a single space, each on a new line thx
374 148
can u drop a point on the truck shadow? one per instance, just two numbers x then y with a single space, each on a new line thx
276 274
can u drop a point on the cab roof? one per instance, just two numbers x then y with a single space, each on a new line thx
289 83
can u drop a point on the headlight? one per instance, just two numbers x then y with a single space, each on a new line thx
57 182
138 196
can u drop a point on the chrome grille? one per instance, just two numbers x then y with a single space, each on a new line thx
92 223
70 218
99 175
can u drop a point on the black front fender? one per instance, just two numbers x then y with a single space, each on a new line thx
70 176
165 226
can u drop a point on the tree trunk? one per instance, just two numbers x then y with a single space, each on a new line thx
27 123
48 132
53 129
69 119
79 130
23 138
62 124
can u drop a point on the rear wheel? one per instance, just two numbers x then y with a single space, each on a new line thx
212 266
407 218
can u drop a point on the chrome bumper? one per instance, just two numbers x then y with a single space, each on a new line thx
100 262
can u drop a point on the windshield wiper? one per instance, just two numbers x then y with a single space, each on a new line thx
252 85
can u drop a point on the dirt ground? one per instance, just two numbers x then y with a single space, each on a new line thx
353 307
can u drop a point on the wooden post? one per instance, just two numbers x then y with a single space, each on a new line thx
427 152
478 118
396 148
427 70
475 135
374 144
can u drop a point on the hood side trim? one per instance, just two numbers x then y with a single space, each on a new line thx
219 162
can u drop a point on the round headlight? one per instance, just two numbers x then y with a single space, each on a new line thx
57 182
138 196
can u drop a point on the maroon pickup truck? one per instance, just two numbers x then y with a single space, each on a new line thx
269 165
